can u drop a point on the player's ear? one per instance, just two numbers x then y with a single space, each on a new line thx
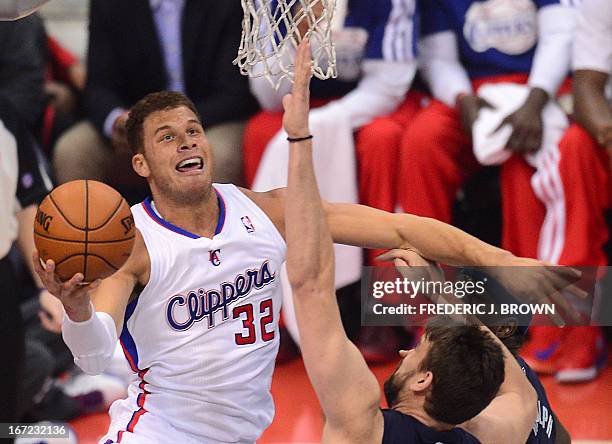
140 165
421 381
507 329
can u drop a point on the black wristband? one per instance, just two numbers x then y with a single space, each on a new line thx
299 139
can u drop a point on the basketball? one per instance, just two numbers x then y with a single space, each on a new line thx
85 227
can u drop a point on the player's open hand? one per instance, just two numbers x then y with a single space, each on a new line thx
533 281
73 295
297 104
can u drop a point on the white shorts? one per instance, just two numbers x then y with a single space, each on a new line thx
131 424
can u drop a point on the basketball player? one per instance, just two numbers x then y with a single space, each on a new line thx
510 329
203 333
449 378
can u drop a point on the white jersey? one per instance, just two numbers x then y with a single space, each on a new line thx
203 334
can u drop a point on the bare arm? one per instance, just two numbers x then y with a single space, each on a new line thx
592 110
592 68
510 416
347 390
367 227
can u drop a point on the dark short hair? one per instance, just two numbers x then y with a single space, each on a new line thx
494 294
158 101
468 368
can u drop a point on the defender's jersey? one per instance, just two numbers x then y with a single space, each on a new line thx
494 36
544 428
203 334
404 429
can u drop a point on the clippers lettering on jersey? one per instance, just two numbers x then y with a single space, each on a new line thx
214 257
509 26
246 221
182 312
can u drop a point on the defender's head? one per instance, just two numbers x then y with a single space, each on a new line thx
453 374
170 148
511 329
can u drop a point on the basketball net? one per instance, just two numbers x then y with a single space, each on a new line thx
16 9
270 37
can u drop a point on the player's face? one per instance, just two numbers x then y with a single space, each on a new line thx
177 154
408 374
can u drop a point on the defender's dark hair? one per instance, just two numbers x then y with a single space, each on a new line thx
468 368
158 101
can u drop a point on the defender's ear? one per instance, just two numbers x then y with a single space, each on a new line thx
421 381
140 165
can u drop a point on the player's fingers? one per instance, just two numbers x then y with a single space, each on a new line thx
37 265
503 123
50 277
400 253
303 69
559 279
567 274
558 299
516 142
70 284
555 316
387 256
576 292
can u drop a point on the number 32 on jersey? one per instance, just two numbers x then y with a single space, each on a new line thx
256 319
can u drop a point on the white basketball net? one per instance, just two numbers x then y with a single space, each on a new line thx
270 38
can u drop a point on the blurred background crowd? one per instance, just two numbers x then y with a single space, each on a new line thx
492 115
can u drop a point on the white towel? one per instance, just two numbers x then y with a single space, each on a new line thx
336 171
546 181
505 99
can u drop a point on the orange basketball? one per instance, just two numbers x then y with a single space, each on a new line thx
85 227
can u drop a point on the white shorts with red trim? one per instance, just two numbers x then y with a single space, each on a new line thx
131 424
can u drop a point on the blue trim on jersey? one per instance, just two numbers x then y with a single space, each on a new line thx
221 220
129 346
153 214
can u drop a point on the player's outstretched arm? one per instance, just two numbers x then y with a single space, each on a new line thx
94 312
347 390
511 415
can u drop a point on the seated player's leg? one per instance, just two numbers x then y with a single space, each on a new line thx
377 147
435 160
258 132
522 211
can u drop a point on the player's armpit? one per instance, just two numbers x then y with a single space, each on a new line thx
364 432
507 420
510 416
113 294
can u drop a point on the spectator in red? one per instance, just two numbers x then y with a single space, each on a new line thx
64 85
556 213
